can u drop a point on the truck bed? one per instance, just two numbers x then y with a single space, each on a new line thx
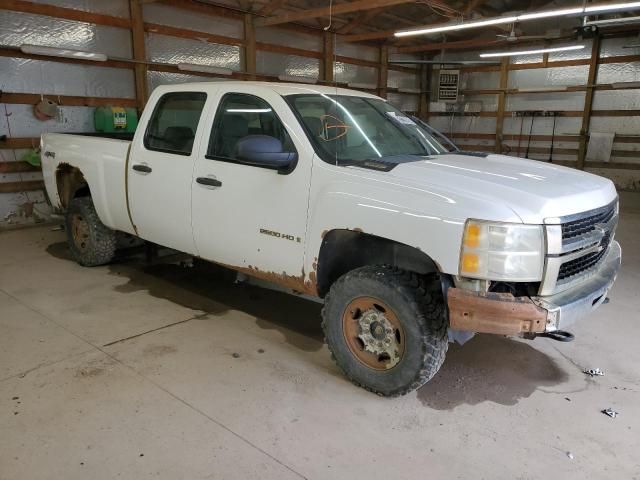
102 161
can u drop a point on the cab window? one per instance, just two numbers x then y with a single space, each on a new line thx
240 115
173 124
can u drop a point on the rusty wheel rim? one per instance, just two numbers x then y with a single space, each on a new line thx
80 232
373 333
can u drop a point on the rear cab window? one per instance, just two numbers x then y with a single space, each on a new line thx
173 124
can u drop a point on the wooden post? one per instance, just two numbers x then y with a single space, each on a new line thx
249 63
139 53
425 91
502 100
328 54
588 101
383 71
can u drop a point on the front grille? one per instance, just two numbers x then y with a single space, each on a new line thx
582 226
583 264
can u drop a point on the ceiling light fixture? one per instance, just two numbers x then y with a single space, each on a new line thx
614 21
457 26
611 7
196 67
443 62
531 52
62 52
574 11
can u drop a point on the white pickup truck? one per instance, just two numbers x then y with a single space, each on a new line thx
338 195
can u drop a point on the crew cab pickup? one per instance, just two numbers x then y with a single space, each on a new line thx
338 195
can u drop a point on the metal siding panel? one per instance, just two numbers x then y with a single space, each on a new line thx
19 28
166 49
271 63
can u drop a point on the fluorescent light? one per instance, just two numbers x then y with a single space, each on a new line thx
614 21
248 110
521 18
549 13
362 86
531 52
62 52
297 79
457 26
611 7
196 67
443 62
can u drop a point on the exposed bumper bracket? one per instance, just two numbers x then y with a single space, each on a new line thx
504 314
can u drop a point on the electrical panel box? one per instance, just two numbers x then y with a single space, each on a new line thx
448 81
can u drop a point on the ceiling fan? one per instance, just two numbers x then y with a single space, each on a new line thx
513 37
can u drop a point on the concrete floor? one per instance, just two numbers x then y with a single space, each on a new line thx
129 371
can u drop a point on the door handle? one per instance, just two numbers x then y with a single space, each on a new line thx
140 167
208 181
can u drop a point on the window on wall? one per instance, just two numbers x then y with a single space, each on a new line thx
240 115
173 124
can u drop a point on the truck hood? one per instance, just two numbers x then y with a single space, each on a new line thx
533 190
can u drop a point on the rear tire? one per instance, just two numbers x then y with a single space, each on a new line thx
386 328
90 241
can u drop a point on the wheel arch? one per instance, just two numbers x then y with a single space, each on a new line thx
343 250
71 183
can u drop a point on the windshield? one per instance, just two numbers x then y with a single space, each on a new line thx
346 129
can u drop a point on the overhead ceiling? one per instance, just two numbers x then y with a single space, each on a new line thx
376 20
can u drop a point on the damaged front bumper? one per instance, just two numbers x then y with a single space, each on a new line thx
504 314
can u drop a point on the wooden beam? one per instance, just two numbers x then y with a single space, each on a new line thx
205 8
19 142
192 34
249 61
588 101
270 7
472 5
139 53
66 100
63 12
356 6
359 19
329 53
272 47
17 187
17 167
383 71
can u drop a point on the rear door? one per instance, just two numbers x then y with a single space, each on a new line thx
160 170
255 218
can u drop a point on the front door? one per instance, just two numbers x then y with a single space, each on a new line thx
247 216
160 171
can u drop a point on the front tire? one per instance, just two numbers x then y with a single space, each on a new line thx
90 241
386 328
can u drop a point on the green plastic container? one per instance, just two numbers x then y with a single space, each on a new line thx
115 119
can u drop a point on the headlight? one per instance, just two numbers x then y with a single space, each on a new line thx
502 251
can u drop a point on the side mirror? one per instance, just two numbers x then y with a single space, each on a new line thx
265 151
